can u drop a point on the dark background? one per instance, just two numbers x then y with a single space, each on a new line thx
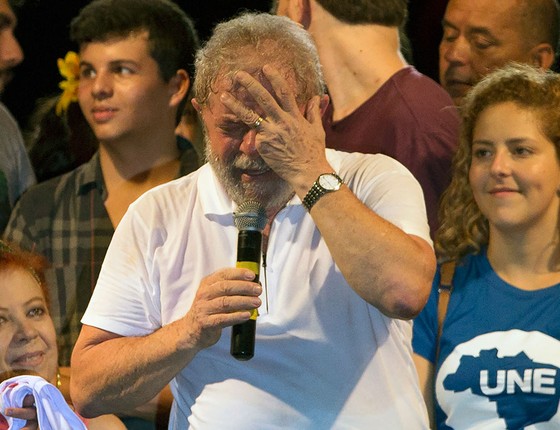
43 33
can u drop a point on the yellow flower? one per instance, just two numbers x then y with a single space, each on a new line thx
69 68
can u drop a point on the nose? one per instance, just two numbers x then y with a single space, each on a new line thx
102 86
248 143
456 51
11 53
25 331
501 164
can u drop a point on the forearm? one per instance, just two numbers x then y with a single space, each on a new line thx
114 374
388 268
123 373
425 371
155 410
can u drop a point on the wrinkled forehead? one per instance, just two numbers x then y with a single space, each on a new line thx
483 13
18 281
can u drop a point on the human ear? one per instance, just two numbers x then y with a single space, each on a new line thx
179 86
300 12
196 105
324 103
542 56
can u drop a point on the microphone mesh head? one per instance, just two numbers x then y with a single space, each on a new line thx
250 215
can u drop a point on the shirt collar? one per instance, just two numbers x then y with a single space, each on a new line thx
91 176
215 201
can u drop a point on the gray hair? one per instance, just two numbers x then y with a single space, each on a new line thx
252 40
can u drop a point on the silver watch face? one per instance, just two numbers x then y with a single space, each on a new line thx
328 181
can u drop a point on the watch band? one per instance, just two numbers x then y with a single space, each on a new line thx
317 190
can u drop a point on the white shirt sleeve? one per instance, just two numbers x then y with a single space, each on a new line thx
127 280
387 187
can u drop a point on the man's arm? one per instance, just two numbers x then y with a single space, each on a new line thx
388 268
425 370
114 374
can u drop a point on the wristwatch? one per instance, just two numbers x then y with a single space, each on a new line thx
325 183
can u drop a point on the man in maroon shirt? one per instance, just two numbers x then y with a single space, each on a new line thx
379 103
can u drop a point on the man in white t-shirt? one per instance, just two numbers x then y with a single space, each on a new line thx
347 261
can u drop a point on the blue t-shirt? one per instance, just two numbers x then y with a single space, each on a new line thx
499 359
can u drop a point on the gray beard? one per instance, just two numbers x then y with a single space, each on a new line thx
270 194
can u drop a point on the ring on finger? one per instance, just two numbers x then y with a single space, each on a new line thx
258 122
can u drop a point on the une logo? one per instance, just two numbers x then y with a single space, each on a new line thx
539 381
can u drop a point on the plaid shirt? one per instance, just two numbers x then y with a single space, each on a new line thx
16 172
65 220
5 207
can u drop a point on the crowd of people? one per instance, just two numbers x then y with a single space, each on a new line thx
410 257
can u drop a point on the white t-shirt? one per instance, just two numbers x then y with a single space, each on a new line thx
324 358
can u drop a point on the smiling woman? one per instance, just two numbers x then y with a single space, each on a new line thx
27 334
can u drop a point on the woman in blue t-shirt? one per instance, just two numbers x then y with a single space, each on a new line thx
496 364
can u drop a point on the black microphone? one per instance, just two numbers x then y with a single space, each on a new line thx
250 220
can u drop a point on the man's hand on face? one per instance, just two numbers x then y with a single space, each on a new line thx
290 137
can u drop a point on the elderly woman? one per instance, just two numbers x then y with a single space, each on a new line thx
27 335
